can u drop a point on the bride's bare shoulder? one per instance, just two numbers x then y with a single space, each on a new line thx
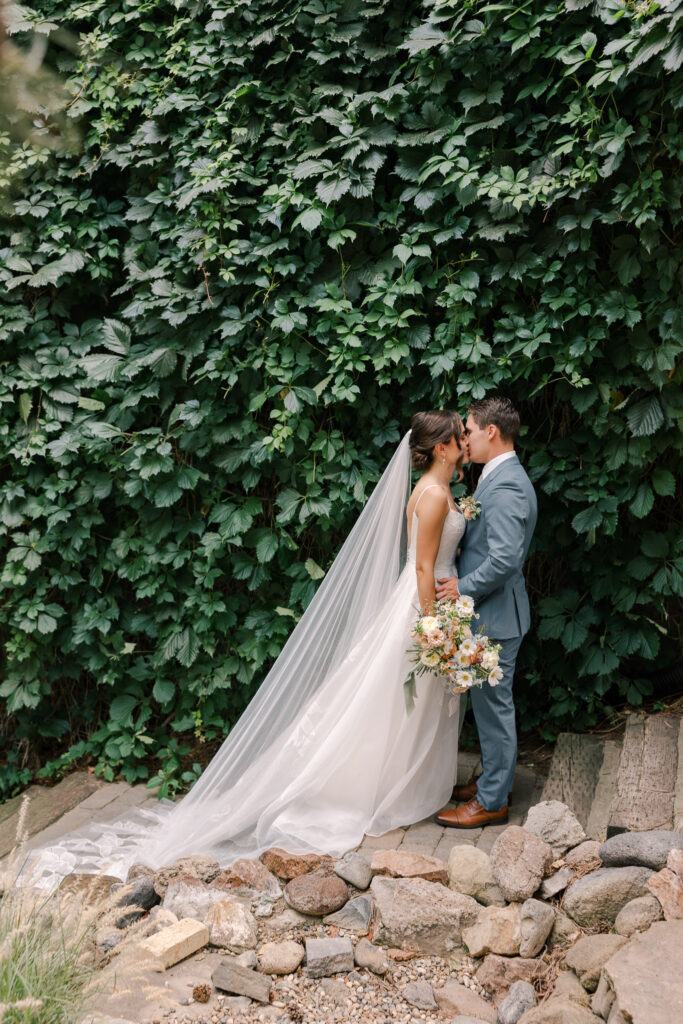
430 498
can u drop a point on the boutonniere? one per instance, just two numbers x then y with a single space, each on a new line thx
470 507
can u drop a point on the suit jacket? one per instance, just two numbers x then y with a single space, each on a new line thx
495 547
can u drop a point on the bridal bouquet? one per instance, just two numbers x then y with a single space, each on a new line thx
445 645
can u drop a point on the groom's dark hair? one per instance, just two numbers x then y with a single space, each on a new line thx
500 412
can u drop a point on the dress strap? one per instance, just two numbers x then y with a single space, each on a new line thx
427 488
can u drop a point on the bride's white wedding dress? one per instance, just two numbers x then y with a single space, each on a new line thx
351 761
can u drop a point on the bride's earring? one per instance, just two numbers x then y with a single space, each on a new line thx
443 461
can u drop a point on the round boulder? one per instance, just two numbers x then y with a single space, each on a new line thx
316 895
638 915
280 957
556 825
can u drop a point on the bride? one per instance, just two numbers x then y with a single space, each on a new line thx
327 750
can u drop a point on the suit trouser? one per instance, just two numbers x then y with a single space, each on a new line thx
494 713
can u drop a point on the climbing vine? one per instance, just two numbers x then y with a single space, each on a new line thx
287 227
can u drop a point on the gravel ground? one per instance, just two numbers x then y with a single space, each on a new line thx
357 996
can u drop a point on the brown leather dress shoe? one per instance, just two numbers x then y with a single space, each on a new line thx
471 815
469 791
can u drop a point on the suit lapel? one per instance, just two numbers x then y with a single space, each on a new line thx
483 484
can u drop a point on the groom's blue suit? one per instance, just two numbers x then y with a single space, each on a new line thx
490 571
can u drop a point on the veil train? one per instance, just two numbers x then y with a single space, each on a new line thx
238 806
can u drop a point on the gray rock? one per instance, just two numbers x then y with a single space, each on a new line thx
420 994
371 957
240 981
469 872
198 866
646 849
555 884
108 938
558 1010
416 914
638 915
262 907
140 895
599 896
601 1001
519 860
247 959
496 930
286 919
568 986
280 957
187 896
535 924
354 917
498 973
519 999
139 870
615 1016
355 869
647 976
554 823
140 892
564 930
587 958
454 999
248 878
231 926
584 853
328 956
158 919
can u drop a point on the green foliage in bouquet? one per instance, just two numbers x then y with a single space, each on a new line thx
290 225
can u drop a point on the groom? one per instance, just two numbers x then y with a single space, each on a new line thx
490 567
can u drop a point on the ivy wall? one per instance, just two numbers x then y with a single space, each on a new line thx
289 226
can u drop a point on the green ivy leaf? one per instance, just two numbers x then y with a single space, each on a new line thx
313 569
645 417
663 481
643 501
267 548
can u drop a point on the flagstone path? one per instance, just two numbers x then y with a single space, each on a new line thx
82 798
630 781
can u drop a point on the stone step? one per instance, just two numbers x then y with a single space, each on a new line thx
648 774
46 805
575 774
678 788
597 823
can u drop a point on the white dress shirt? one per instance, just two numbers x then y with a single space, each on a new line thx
490 466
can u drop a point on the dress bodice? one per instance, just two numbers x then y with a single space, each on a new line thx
451 535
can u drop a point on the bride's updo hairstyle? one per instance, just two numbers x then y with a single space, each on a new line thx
428 429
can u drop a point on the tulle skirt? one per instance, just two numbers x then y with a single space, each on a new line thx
355 761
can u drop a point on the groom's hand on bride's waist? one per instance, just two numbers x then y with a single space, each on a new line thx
447 587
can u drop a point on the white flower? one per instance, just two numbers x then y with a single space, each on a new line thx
464 679
465 630
489 660
468 647
429 623
464 605
430 658
461 659
495 676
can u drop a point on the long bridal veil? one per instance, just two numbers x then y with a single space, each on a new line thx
225 814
